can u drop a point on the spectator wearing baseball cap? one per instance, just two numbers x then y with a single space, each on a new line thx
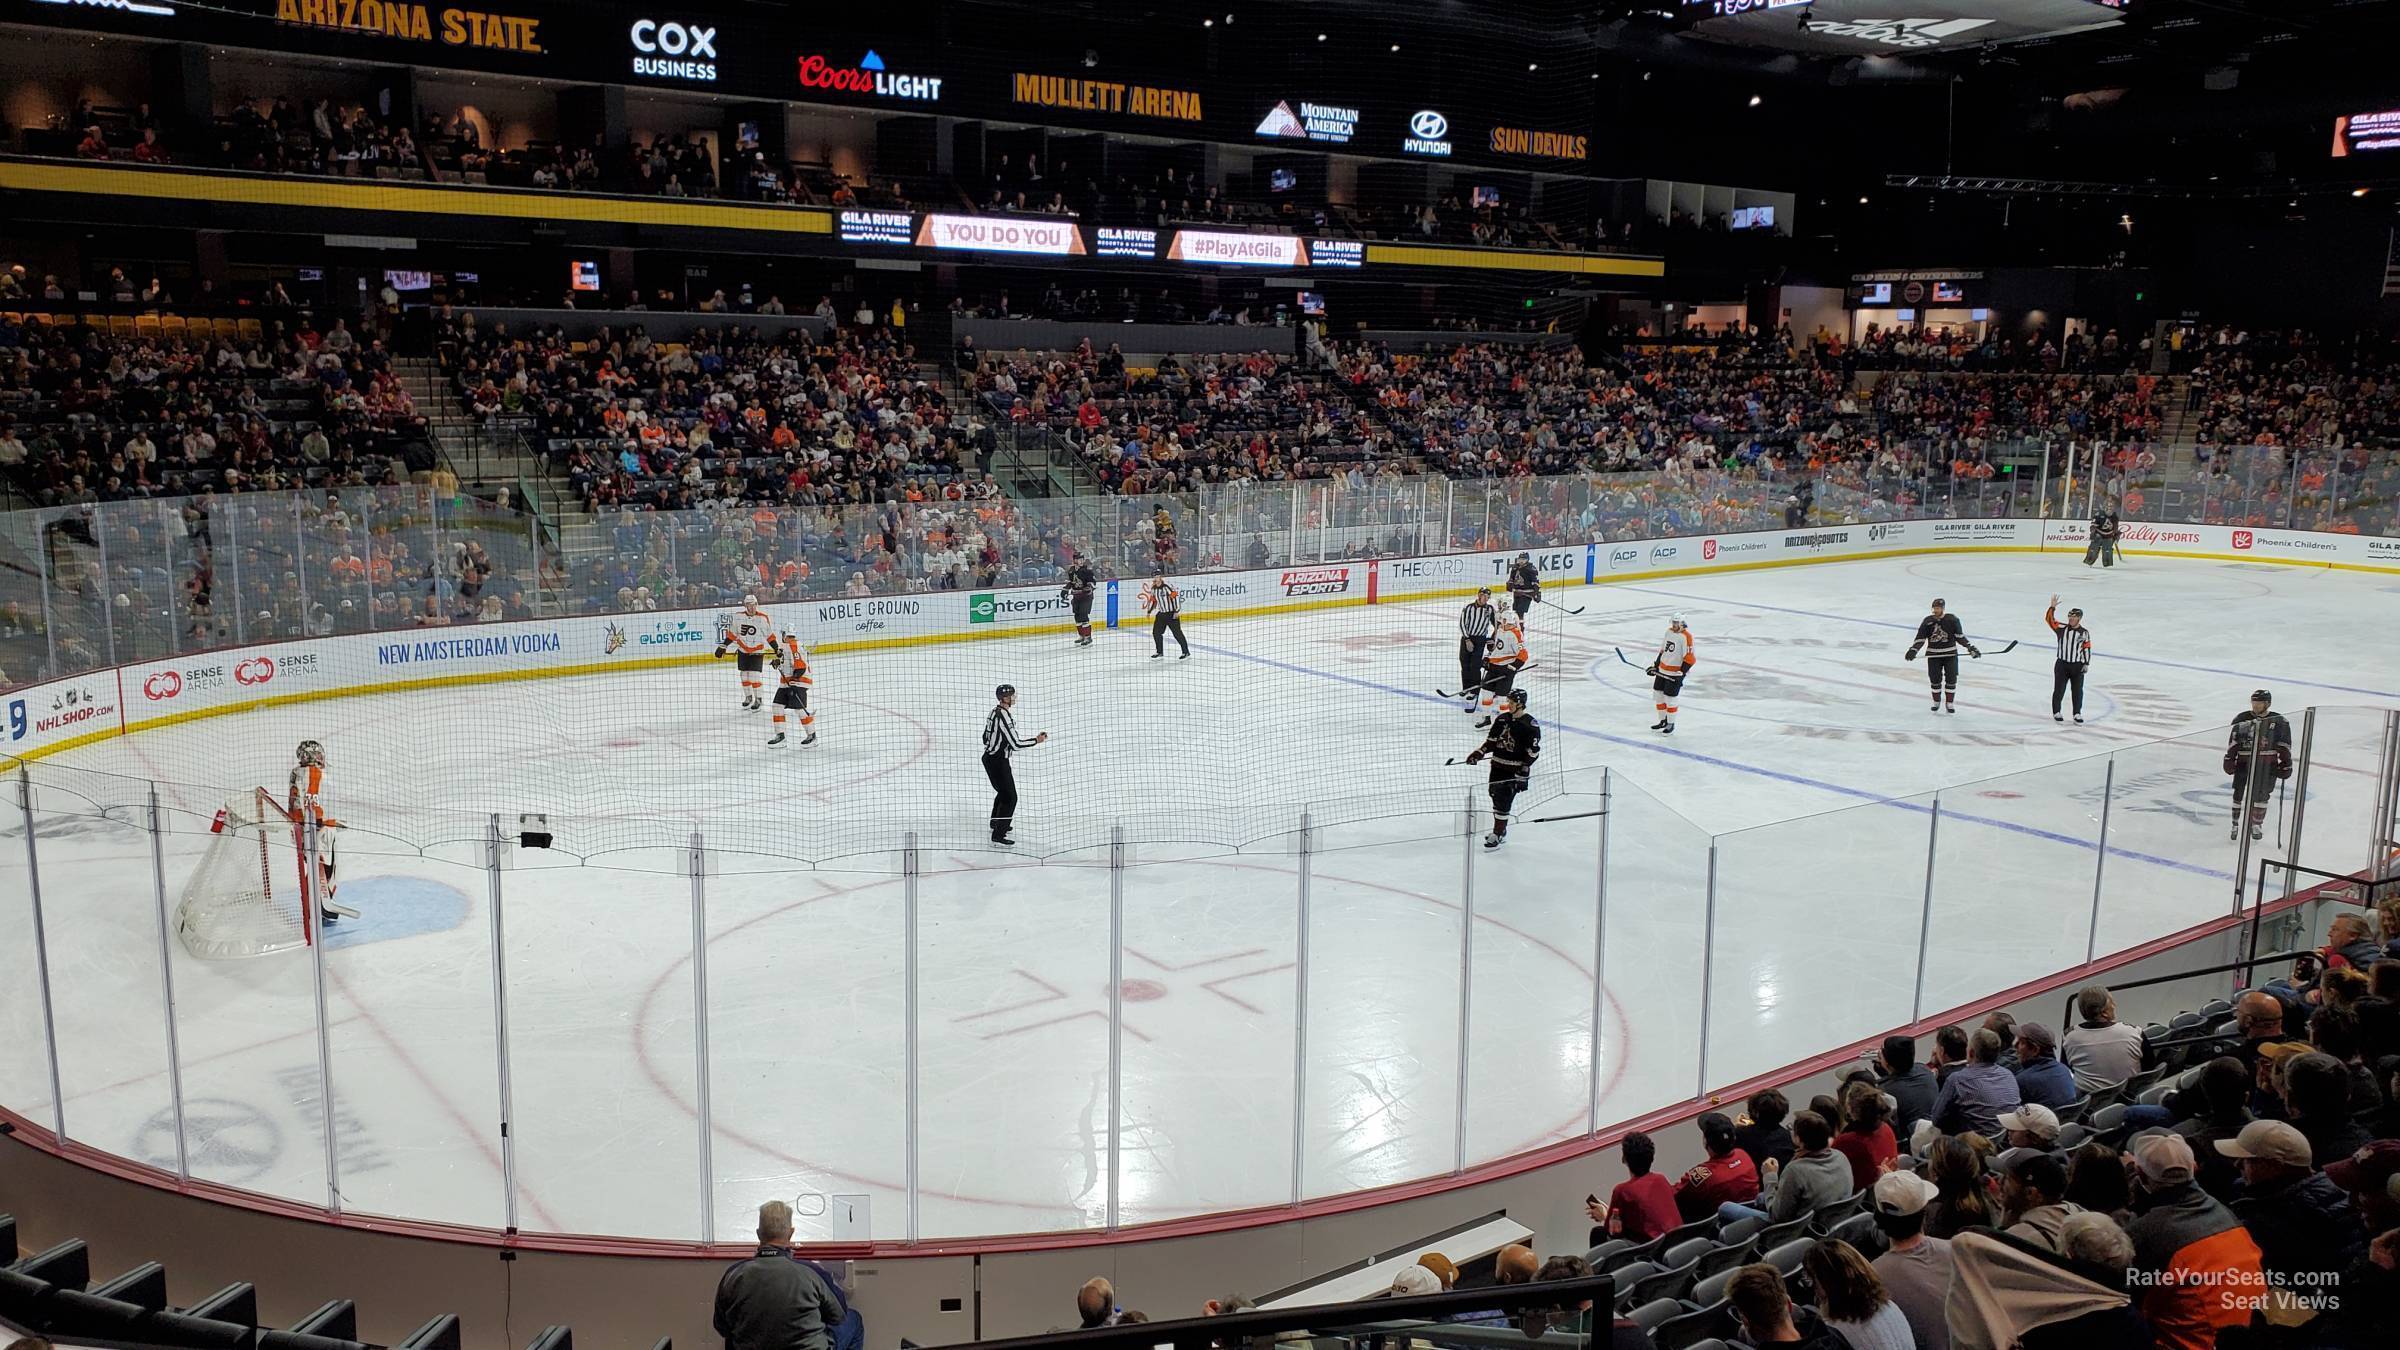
2031 1126
1916 1269
2041 1079
2302 1221
1727 1176
2188 1249
2033 1188
2371 1177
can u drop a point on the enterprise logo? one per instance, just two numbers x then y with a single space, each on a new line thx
674 51
1428 134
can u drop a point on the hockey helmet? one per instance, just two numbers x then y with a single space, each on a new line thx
1940 603
750 602
312 752
1004 691
1517 697
2261 696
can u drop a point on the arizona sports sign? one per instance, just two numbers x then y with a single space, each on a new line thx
1316 581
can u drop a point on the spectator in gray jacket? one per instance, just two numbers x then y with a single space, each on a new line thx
1817 1176
772 1301
2101 1051
1974 1094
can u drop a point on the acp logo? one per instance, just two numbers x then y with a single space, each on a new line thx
2244 539
257 670
162 686
1708 550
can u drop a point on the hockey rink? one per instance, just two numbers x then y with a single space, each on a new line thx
1804 753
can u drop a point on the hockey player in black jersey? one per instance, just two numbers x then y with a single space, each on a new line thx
2103 546
1078 592
1524 583
1513 744
2258 754
1939 636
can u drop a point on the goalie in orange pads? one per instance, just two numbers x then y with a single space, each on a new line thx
308 807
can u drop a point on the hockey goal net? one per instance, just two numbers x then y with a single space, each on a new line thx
251 894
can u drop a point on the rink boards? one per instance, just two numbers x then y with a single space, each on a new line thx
43 719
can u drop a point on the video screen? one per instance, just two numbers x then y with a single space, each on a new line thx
2366 133
1312 303
1875 293
583 274
1948 291
1282 180
1486 196
400 280
1752 218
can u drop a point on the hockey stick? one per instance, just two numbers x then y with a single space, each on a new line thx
1555 605
1464 693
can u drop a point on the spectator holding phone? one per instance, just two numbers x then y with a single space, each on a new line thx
1640 1208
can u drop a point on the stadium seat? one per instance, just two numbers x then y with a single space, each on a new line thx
2075 1111
2107 1121
1690 1329
1669 1282
1653 1315
1687 1251
1775 1235
2156 1094
1599 1257
1859 1231
2072 1136
1647 1251
1725 1256
1826 1216
1787 1257
1697 1228
1627 1275
442 1333
1740 1230
1711 1289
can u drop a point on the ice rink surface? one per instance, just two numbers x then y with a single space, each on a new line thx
1805 753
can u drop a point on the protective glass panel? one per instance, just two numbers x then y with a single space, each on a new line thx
2032 837
1799 897
601 1043
1012 1015
1657 931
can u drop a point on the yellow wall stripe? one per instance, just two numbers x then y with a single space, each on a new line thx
351 194
1489 260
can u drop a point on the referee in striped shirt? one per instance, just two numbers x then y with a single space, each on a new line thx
1475 625
1000 740
2074 659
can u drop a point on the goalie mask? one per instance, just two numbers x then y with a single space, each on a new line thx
312 752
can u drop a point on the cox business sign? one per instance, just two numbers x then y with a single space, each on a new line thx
674 51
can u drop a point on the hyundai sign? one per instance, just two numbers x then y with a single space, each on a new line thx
1428 134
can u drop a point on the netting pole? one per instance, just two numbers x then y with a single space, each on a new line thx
41 952
1466 979
2108 796
1933 836
233 562
41 559
1292 548
2042 491
175 619
366 532
508 1137
1449 494
1300 1009
314 872
300 564
166 984
108 610
2382 828
1708 964
909 865
1600 943
698 863
1116 1017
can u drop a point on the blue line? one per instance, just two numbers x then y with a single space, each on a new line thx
1910 628
1736 766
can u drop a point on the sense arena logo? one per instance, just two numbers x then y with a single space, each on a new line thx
162 686
255 671
1316 581
869 76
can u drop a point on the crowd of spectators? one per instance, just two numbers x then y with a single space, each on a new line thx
2233 1180
89 414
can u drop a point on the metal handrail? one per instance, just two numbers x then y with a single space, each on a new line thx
2245 963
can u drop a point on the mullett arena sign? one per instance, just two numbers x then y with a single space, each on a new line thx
1111 97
